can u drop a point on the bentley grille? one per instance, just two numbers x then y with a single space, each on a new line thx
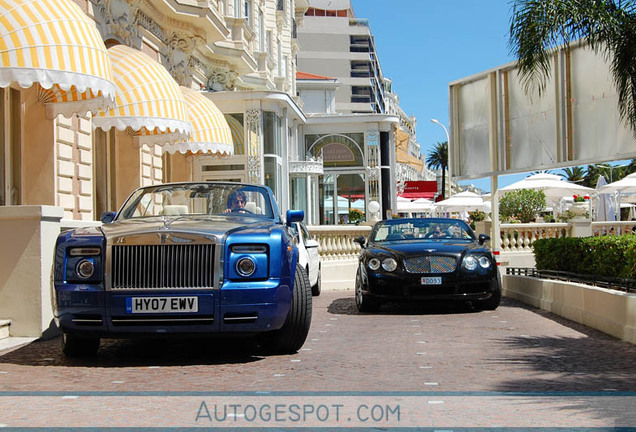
162 266
430 264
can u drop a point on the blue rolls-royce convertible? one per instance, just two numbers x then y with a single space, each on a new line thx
184 259
425 259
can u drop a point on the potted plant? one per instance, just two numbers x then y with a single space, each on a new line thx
580 206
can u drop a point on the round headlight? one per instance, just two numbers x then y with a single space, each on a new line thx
389 264
85 269
470 263
484 262
245 267
374 264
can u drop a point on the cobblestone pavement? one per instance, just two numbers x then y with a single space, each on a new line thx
403 348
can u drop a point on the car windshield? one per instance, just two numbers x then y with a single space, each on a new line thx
198 199
422 228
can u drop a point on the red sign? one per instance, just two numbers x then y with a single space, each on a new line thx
419 189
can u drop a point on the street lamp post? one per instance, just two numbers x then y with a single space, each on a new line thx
450 188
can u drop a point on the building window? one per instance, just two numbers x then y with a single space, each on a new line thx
10 151
272 151
361 94
359 44
361 69
261 31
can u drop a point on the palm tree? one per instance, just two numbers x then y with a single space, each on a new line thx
609 26
438 159
575 174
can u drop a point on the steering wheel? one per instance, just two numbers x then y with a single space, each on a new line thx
240 210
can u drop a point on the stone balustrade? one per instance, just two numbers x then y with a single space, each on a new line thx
520 237
613 228
336 241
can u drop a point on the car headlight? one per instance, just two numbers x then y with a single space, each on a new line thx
245 266
470 263
484 262
374 264
85 268
389 264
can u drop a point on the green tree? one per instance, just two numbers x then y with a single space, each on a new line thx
438 159
521 204
609 26
574 174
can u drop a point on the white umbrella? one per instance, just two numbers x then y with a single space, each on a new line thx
604 207
463 201
625 185
552 185
420 205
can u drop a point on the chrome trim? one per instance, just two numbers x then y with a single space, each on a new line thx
171 261
240 318
432 264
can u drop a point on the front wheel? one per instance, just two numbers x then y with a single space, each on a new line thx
78 346
364 303
292 335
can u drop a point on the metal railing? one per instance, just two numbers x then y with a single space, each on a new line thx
628 285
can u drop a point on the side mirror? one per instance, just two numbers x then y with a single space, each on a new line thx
311 243
360 240
483 238
108 217
295 216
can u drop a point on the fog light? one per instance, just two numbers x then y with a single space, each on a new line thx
246 267
85 269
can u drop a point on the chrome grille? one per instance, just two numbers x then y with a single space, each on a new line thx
430 264
162 266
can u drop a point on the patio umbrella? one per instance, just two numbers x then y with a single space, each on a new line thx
552 185
625 185
604 207
420 205
463 202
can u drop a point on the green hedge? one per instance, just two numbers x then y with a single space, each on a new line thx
613 256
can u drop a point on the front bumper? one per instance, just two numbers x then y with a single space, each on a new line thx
410 287
235 308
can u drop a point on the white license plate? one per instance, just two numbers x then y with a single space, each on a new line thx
431 280
161 304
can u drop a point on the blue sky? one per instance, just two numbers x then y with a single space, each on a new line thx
423 45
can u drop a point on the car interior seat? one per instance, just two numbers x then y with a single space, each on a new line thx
395 236
174 210
251 207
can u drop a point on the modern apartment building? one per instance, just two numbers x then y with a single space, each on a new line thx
337 44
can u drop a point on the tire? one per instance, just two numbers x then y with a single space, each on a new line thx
77 346
292 335
317 289
364 303
493 302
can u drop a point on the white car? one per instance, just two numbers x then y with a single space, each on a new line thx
308 257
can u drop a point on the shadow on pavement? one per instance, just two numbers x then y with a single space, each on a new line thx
142 352
347 306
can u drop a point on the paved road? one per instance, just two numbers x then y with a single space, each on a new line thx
413 351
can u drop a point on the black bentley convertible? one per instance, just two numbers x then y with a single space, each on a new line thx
426 259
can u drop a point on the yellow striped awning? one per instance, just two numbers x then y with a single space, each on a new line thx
238 134
148 100
54 44
210 131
